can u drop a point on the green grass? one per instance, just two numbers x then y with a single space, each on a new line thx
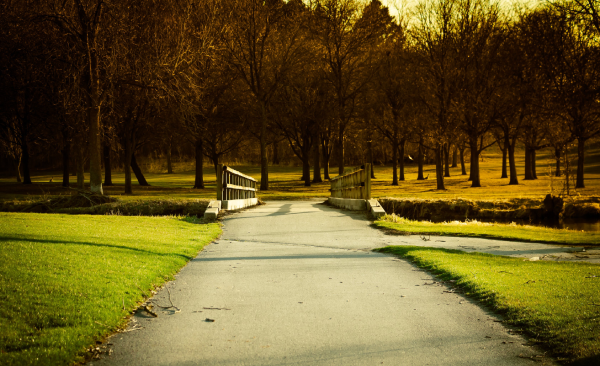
284 181
489 230
557 303
64 279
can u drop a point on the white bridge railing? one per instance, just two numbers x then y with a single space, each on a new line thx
234 191
355 185
233 185
352 191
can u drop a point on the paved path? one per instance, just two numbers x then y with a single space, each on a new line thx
295 283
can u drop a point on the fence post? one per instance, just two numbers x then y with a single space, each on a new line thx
219 182
368 181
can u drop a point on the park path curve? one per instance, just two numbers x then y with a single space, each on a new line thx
296 283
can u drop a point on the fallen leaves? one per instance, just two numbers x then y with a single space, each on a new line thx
148 308
534 358
99 350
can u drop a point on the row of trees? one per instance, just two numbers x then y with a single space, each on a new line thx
448 76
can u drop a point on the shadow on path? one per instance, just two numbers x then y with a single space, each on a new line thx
308 256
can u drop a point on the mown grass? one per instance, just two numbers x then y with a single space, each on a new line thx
285 183
68 280
556 303
512 231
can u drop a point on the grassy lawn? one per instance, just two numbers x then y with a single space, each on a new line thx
489 230
66 281
556 303
284 181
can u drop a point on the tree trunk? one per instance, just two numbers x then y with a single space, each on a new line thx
504 157
93 115
215 160
304 177
514 180
533 163
17 163
474 168
94 146
580 157
66 152
276 153
25 151
264 162
80 169
557 156
306 168
446 149
462 161
454 157
317 159
370 155
107 167
394 163
567 172
528 160
401 147
169 156
128 153
340 150
420 159
80 175
138 172
326 155
199 182
439 168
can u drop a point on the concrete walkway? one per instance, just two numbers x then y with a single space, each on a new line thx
295 283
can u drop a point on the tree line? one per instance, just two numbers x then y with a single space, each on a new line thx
104 78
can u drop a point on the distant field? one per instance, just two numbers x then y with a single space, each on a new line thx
284 182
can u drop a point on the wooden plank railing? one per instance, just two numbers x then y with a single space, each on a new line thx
355 185
233 185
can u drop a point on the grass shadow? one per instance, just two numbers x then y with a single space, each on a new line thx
46 241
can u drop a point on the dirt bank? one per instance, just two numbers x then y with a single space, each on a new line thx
483 210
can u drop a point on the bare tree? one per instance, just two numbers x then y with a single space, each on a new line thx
261 46
299 109
346 30
395 86
84 24
518 94
568 55
434 38
479 37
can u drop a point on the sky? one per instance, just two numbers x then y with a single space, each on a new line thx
410 3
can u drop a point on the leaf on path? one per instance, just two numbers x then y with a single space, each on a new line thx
148 309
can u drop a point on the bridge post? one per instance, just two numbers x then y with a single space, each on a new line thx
367 181
219 182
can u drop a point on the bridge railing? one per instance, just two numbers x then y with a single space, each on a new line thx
354 185
233 185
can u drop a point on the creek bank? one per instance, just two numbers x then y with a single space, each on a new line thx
516 209
93 204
